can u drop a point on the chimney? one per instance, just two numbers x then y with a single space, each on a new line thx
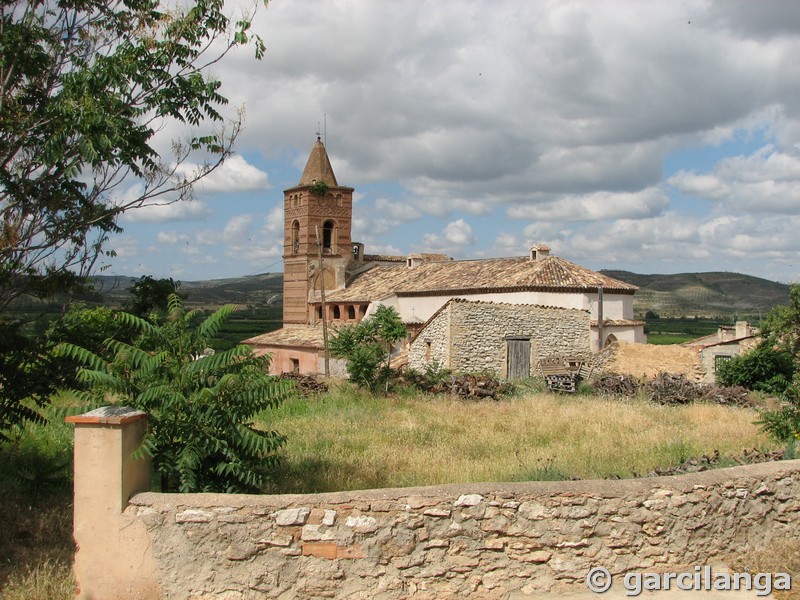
539 251
743 329
414 260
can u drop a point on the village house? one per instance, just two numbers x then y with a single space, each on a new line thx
538 305
729 341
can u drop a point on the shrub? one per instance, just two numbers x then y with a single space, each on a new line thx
201 405
783 424
764 369
367 347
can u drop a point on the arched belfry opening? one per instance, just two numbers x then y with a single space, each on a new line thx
328 229
296 237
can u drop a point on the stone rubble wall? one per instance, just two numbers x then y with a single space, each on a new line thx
472 335
453 541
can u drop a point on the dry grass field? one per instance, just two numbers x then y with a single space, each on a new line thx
351 440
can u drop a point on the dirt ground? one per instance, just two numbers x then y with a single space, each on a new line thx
647 360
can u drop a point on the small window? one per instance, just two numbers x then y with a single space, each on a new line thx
351 312
319 313
337 313
295 365
428 351
719 359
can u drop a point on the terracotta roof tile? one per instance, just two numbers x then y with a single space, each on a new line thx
295 335
499 274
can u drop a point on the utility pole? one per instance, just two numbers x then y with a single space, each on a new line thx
321 277
600 331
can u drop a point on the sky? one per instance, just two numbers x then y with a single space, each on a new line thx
650 136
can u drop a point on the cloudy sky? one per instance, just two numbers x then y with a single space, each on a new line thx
652 136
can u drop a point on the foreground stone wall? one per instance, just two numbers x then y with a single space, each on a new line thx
484 540
489 541
471 336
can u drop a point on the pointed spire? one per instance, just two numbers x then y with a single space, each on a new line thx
318 167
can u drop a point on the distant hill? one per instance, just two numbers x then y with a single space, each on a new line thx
703 294
714 294
257 291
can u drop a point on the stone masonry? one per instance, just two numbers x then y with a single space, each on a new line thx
471 336
454 541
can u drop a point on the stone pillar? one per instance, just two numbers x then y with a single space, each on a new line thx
109 560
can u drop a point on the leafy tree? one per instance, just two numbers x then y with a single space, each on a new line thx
368 345
85 85
150 295
25 383
763 368
781 325
781 331
201 406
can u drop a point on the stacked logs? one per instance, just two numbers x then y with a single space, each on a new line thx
471 386
665 388
307 385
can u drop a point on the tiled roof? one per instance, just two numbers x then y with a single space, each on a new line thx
318 167
550 273
295 335
384 258
619 323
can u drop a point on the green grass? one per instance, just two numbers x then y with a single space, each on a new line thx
351 440
665 339
36 546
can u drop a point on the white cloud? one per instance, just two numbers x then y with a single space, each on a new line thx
396 211
452 240
187 210
595 207
764 182
234 175
171 237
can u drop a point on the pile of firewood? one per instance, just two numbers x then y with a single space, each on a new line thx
616 385
474 386
307 385
676 389
671 389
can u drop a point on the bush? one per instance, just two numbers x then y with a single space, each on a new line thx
201 405
783 424
367 347
763 369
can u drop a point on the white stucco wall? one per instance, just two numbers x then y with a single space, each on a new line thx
615 306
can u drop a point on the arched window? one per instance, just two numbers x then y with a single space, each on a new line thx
295 237
351 312
327 236
337 314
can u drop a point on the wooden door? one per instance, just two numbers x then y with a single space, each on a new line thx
518 358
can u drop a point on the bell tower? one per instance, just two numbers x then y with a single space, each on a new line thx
318 216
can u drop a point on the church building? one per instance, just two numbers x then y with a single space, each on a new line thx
329 281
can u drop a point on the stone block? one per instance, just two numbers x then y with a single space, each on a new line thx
468 500
192 515
291 516
362 523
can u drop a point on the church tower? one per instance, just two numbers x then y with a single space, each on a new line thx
318 215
